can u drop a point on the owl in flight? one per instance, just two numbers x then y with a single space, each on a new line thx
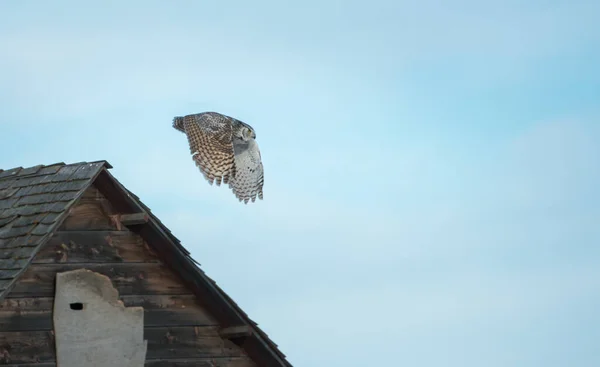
226 151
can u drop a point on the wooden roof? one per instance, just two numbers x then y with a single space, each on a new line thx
34 202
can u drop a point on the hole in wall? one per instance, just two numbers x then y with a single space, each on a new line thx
77 306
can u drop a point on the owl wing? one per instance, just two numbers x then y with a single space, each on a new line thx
247 183
210 139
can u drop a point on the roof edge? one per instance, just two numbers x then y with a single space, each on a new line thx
259 349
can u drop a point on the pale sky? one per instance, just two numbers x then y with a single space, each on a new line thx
431 169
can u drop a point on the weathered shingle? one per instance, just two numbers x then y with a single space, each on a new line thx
50 170
15 264
6 183
32 202
50 218
30 170
28 181
7 203
5 221
41 229
27 220
4 284
7 213
15 253
8 193
85 171
63 174
72 185
22 191
12 231
10 172
7 273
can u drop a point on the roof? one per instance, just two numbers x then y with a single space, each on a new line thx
34 202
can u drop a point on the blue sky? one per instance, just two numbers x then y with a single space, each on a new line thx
431 169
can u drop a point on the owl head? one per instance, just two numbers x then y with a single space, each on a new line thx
246 132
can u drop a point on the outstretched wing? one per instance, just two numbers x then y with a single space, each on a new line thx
247 183
210 137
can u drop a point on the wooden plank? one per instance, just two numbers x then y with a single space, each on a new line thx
128 278
92 193
201 362
26 321
182 310
195 362
133 219
92 212
93 247
35 313
236 331
26 304
163 344
188 342
26 347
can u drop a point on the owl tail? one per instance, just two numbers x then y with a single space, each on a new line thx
178 124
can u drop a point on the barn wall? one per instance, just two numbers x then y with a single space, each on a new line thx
179 330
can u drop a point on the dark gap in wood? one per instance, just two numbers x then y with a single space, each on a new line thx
76 306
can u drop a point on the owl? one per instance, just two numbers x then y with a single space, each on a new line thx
225 150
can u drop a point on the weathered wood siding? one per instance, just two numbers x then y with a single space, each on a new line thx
179 330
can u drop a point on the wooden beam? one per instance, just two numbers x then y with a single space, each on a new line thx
236 331
94 247
134 219
129 279
190 342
